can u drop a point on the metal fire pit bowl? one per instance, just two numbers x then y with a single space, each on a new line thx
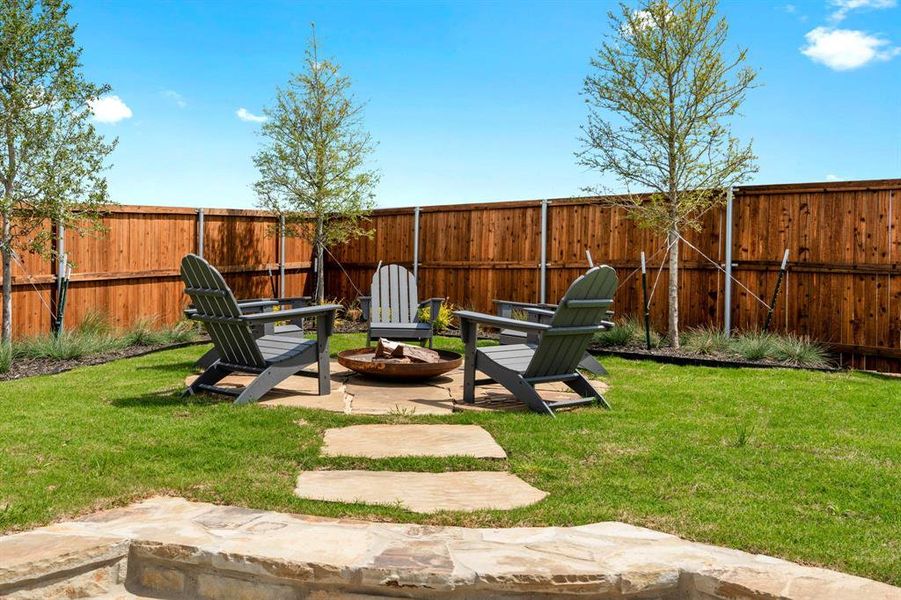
360 360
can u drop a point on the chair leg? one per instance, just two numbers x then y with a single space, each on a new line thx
207 360
213 374
264 382
584 388
325 381
592 365
524 392
368 339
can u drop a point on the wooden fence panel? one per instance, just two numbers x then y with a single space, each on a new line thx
842 287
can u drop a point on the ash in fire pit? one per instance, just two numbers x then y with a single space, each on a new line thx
394 352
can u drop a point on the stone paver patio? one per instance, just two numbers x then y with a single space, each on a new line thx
384 441
175 549
420 492
354 394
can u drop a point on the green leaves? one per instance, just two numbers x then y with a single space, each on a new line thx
51 158
313 164
660 98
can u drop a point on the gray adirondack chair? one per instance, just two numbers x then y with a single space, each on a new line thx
273 358
561 345
541 313
393 308
291 328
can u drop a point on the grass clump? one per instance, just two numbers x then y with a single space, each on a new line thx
147 332
801 351
621 334
68 345
94 335
706 340
754 345
6 357
626 332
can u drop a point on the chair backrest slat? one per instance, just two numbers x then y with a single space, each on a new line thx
584 305
394 298
212 298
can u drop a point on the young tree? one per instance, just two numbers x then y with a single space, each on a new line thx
51 158
313 163
660 97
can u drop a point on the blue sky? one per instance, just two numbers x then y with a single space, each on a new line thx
469 101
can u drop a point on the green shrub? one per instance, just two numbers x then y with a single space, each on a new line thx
444 319
754 345
801 351
706 340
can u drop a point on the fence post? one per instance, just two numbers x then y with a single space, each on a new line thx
60 276
727 294
200 232
543 265
416 243
281 256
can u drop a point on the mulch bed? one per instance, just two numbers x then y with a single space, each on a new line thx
681 357
29 367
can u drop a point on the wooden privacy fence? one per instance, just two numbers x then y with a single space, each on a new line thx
842 287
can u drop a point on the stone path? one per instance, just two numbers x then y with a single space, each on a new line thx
384 441
420 492
172 548
353 394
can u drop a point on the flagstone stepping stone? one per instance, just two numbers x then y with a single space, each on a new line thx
377 397
382 441
420 492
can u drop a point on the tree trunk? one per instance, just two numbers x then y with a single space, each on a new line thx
672 240
7 328
320 263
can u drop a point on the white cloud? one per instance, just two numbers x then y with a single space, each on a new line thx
109 109
246 115
175 97
845 49
641 20
843 7
832 177
790 9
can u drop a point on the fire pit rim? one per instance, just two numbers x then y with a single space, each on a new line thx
399 371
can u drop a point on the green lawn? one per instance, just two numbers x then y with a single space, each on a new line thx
801 465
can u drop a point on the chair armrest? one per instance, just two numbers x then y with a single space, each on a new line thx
429 301
506 307
365 306
495 321
285 315
296 301
434 305
538 311
242 304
